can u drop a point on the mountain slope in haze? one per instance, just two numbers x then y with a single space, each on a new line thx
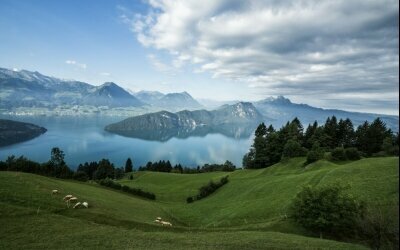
170 101
13 132
148 97
240 113
112 95
31 89
280 110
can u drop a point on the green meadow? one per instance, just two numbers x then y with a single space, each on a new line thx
250 212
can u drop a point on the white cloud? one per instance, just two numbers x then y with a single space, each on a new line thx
286 47
77 64
105 74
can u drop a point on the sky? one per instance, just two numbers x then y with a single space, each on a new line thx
339 54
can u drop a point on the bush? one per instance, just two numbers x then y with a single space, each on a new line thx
380 228
316 153
189 199
338 154
327 210
352 154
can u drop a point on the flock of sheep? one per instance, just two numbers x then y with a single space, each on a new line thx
71 199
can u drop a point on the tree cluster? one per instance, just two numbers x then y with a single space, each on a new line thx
270 145
56 167
165 166
100 170
208 189
134 191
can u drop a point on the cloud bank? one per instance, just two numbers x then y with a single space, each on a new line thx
77 64
338 50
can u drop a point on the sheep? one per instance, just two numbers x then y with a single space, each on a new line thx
85 204
158 218
166 223
55 191
67 197
77 204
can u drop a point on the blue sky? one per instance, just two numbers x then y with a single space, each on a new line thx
332 54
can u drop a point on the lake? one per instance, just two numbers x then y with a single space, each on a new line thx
84 139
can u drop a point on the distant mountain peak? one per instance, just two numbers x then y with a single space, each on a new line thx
109 84
279 100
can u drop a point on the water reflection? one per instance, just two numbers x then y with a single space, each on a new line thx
236 131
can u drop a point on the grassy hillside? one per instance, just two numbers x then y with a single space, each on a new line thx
261 198
247 213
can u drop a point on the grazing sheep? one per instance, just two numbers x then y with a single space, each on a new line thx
67 197
159 218
85 204
77 204
166 223
55 191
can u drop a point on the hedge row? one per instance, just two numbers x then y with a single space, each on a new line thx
208 189
135 191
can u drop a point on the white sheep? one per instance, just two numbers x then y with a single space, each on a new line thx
67 197
85 204
166 223
55 191
77 204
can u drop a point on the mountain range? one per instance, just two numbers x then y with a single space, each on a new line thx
32 89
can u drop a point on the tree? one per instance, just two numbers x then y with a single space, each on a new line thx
257 157
331 130
57 157
327 210
57 162
128 166
292 149
105 170
309 135
345 133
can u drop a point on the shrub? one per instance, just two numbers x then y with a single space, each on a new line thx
352 154
338 154
131 177
189 199
327 210
316 153
380 229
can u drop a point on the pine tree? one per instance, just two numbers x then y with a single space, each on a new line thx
128 166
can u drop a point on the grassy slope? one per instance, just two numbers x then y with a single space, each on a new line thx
261 198
246 213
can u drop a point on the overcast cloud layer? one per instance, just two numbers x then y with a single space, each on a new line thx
341 51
